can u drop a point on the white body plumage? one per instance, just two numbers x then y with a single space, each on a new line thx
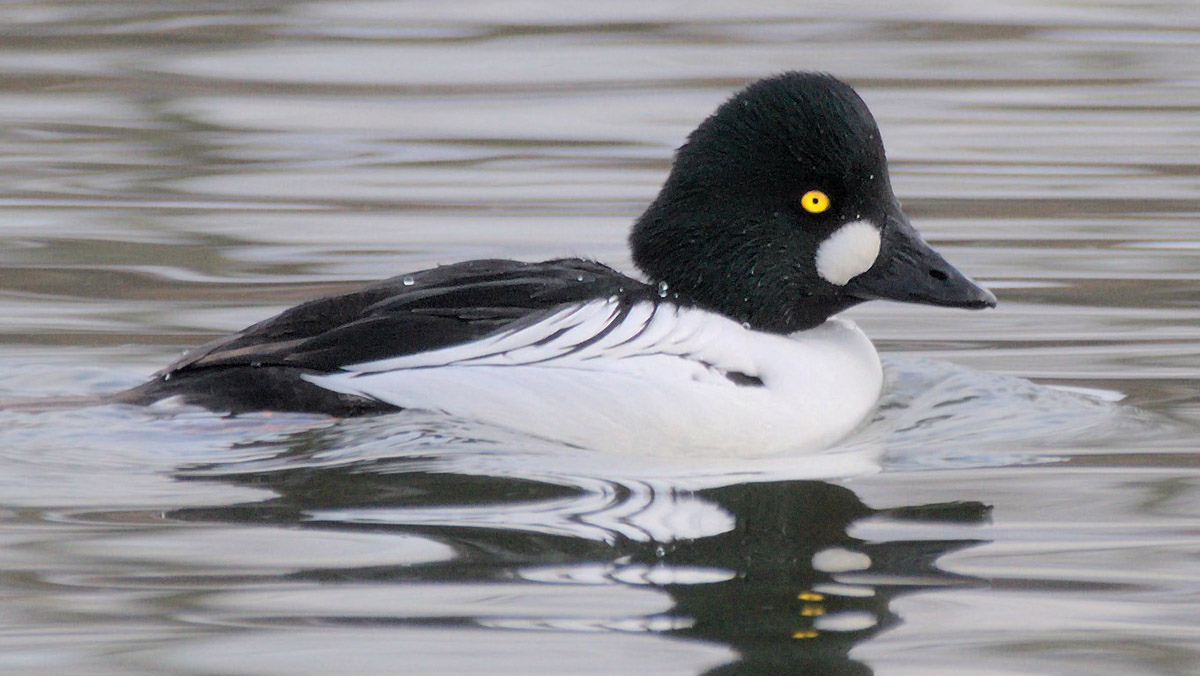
651 378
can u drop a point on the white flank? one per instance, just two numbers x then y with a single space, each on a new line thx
651 380
850 251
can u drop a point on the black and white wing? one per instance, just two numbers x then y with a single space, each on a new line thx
260 368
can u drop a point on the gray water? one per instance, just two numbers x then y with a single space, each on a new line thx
1025 502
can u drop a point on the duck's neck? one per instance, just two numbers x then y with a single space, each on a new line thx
741 271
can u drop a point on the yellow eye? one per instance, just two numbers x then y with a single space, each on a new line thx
814 201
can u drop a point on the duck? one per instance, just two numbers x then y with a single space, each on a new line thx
777 215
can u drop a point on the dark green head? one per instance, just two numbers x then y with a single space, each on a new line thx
778 212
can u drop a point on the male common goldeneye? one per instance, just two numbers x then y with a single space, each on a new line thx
777 214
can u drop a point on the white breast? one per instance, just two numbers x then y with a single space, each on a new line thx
648 379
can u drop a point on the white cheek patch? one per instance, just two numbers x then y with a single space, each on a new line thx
850 251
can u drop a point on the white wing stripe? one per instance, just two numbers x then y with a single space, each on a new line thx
482 351
582 333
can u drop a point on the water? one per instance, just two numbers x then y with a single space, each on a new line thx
1024 503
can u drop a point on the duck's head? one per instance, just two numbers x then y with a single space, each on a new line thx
779 212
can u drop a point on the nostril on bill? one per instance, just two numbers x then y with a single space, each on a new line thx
938 275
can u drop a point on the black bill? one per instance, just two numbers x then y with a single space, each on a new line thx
910 271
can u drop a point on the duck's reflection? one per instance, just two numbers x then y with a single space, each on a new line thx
778 578
804 591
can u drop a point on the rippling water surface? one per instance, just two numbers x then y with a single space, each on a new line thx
1025 502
